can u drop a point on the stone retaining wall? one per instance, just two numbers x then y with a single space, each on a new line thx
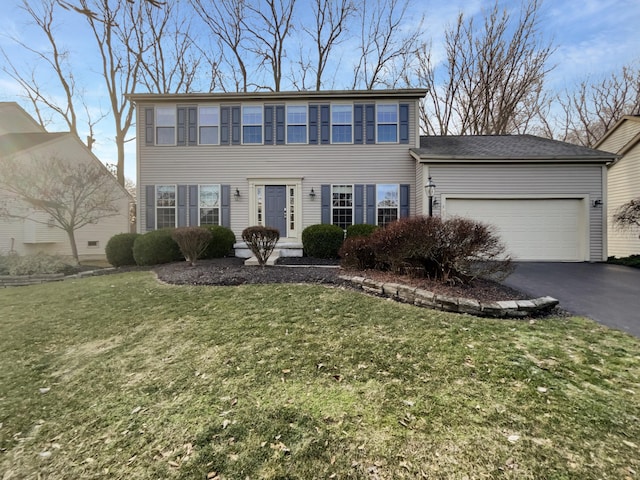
22 280
425 298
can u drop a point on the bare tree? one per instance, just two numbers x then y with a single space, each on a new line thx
384 41
627 217
68 5
72 194
269 24
327 32
592 108
493 76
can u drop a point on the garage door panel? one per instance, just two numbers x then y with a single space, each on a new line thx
533 229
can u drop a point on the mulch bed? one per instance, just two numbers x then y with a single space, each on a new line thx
232 271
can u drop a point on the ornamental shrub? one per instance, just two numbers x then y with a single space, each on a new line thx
156 247
37 264
221 243
360 230
356 253
261 241
193 241
322 240
119 249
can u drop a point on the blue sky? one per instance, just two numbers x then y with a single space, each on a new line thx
592 39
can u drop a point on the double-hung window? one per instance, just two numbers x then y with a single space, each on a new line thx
252 124
209 124
342 205
341 123
296 124
209 204
387 204
165 206
387 119
165 125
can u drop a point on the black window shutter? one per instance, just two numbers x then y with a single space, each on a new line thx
268 124
225 124
404 123
280 135
149 114
182 126
358 202
313 124
325 130
404 201
193 206
357 124
325 191
371 123
235 125
182 205
150 204
192 125
371 204
225 204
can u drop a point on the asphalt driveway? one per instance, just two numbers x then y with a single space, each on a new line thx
609 294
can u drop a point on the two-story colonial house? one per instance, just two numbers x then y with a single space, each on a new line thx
293 159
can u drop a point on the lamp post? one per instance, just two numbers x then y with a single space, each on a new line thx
430 187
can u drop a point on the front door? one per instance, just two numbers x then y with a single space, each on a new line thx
275 206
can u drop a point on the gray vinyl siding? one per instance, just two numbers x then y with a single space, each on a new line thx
233 165
523 180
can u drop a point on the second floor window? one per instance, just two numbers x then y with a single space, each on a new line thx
209 121
166 125
341 123
342 205
165 206
296 124
252 124
209 204
387 117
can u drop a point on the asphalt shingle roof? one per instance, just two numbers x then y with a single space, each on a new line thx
516 147
11 143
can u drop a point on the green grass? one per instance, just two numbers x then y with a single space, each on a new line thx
155 381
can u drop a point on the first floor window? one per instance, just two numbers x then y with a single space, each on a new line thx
165 206
342 205
209 120
209 203
387 204
165 125
252 124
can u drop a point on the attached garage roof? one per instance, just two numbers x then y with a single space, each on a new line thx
504 148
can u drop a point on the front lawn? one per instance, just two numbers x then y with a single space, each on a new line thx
122 377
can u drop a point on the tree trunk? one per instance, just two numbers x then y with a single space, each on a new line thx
74 248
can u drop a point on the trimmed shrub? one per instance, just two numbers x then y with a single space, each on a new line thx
37 264
156 247
193 241
261 241
360 230
119 249
221 243
322 240
356 252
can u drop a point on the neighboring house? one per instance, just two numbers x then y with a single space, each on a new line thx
294 159
22 138
623 182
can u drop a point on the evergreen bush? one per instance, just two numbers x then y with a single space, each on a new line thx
360 230
156 247
221 243
322 240
119 249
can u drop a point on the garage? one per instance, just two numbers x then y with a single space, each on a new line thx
549 229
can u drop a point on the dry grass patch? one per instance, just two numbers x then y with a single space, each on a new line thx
120 377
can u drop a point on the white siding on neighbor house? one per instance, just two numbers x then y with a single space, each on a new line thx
526 181
13 119
235 165
623 186
618 138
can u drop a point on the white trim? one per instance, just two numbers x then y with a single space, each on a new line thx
397 185
353 212
289 182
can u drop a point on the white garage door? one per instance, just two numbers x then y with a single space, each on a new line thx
533 229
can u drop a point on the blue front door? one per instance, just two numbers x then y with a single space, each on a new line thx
275 206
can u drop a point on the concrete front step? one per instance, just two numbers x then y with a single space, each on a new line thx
253 261
286 249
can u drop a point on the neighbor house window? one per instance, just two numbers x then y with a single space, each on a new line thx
209 121
296 124
387 119
341 123
252 124
387 204
165 206
209 204
342 205
166 125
